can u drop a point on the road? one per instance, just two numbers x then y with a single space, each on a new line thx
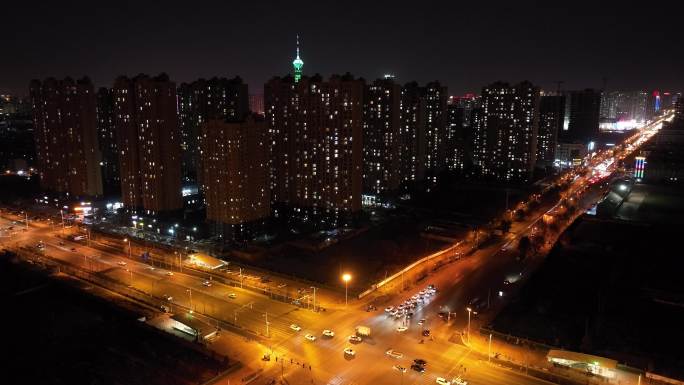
480 275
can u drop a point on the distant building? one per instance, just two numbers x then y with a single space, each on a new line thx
17 142
65 125
624 106
297 65
236 175
413 121
256 104
505 138
315 128
570 154
459 138
381 130
585 108
551 117
436 133
106 132
199 101
148 139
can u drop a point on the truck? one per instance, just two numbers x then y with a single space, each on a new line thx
363 331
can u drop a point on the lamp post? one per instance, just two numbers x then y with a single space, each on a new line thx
489 356
314 297
190 291
346 277
469 311
129 246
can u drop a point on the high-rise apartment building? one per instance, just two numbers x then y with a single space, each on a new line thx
256 104
315 128
107 140
413 121
65 128
199 101
459 139
235 175
551 117
436 133
585 108
505 137
381 130
148 139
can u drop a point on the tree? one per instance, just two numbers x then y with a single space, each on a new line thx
524 245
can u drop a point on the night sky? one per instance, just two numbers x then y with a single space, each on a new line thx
464 44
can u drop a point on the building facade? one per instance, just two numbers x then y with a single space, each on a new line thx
106 132
413 122
505 137
459 118
583 123
436 133
315 130
148 139
235 175
65 129
199 101
551 117
381 130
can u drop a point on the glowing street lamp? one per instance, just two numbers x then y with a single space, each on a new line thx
346 277
129 246
469 311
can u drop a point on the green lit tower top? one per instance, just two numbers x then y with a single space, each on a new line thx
297 64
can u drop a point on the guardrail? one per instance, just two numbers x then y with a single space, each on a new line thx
409 268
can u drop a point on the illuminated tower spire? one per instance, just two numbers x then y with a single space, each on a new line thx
297 64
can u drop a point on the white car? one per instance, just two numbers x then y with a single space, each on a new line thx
389 309
295 327
169 273
442 381
402 329
349 352
353 338
328 333
310 337
459 381
232 295
400 368
121 263
206 283
422 321
394 354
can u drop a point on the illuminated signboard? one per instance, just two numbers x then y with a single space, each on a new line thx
640 162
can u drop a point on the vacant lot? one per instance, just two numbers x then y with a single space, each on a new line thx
57 334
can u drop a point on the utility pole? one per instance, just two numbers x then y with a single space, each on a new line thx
26 221
61 213
314 297
240 278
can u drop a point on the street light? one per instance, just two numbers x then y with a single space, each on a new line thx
469 311
129 247
190 291
346 277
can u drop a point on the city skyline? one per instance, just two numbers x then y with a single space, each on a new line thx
463 46
342 193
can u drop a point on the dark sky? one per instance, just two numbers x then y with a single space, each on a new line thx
464 44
